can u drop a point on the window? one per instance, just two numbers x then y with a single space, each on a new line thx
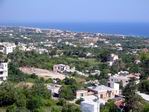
82 95
1 78
109 84
101 96
1 72
109 94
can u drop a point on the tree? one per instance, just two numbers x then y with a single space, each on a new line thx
67 93
134 68
68 90
145 63
69 81
144 86
34 76
39 89
15 74
71 108
104 55
20 99
55 109
109 107
12 97
134 103
61 102
14 108
11 108
35 102
146 107
79 101
7 94
128 58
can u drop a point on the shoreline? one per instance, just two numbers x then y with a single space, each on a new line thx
38 26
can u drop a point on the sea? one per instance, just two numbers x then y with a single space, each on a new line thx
129 29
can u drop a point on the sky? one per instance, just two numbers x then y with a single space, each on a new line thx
28 11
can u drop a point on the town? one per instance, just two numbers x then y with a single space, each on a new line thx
50 70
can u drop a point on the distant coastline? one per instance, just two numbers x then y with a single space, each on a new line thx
129 29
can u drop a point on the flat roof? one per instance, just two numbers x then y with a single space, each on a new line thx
100 88
91 98
81 91
120 77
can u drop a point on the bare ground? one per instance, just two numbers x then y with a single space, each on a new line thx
42 73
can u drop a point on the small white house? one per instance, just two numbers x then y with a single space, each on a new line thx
61 68
54 89
113 58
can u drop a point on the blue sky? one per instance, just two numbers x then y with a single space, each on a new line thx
12 11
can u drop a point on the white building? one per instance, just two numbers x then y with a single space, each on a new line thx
116 87
118 45
22 46
104 92
119 79
3 71
54 89
41 50
90 106
124 77
81 94
95 96
96 72
61 68
113 59
7 48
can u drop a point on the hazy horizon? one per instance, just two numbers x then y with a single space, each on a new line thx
54 11
135 29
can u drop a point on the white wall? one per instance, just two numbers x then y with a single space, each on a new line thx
4 70
91 106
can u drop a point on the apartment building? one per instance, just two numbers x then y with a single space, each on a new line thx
7 48
3 71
